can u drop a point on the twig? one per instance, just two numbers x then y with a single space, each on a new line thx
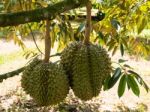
35 40
57 54
18 71
11 74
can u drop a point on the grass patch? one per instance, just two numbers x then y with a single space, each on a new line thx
9 57
6 58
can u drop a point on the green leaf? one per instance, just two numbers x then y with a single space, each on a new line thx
137 76
106 83
114 78
122 49
114 51
115 23
128 66
132 72
111 45
101 38
124 42
122 85
100 35
27 55
141 24
81 28
139 79
122 60
133 84
146 86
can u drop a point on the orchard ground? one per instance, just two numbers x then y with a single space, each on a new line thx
12 96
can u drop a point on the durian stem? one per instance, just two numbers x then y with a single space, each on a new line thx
47 42
88 23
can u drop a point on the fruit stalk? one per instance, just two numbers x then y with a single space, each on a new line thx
88 23
47 42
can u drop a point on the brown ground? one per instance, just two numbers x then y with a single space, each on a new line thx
108 100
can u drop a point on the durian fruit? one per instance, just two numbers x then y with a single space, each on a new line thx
46 83
26 77
88 66
67 59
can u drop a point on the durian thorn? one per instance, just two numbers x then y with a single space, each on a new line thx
47 42
88 23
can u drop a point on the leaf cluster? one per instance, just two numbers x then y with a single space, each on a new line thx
127 78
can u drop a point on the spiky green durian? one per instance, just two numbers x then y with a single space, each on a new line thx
47 83
26 82
89 66
67 59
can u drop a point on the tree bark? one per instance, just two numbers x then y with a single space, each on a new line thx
11 74
50 12
82 17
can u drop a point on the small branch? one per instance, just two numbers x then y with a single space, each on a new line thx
18 71
11 74
47 42
57 54
88 23
96 18
50 12
35 40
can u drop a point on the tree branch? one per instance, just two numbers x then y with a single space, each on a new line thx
11 74
83 17
50 12
18 71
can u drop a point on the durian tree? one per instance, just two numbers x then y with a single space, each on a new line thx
85 65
